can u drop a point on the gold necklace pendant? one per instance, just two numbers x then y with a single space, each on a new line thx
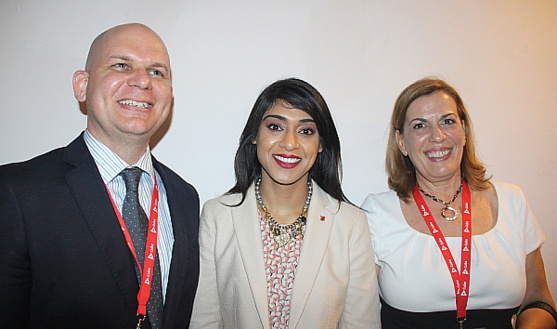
447 205
449 209
282 239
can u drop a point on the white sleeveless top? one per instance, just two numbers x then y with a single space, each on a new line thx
414 276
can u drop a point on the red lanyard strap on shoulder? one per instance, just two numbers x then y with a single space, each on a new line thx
461 279
147 270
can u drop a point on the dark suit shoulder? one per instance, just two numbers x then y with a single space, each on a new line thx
171 178
32 169
47 164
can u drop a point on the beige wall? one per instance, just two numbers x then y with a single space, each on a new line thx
501 55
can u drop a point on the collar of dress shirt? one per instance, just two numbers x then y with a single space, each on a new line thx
110 164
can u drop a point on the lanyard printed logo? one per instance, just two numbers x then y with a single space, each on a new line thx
461 279
147 270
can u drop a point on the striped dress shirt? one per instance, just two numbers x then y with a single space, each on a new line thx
110 165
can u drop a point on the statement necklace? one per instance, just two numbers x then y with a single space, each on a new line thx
447 207
283 233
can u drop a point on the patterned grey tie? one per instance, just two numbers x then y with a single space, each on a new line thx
137 224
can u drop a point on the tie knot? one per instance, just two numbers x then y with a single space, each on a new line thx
131 178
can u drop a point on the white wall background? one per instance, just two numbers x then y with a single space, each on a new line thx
501 55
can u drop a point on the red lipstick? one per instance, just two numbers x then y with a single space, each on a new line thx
287 161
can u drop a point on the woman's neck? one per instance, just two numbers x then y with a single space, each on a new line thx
443 189
284 202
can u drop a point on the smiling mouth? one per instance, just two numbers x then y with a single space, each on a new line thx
287 160
130 102
438 154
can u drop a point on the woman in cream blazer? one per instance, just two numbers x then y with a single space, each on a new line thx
335 284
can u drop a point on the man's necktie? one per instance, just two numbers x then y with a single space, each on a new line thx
137 224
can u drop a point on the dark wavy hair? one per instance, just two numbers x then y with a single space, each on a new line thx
327 170
401 171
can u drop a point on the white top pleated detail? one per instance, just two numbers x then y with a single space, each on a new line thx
414 276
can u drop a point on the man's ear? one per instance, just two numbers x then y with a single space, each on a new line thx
79 83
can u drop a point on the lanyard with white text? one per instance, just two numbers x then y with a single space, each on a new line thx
150 251
461 280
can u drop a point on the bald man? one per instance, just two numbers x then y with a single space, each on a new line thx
70 256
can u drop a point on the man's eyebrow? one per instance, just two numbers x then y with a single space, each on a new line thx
160 65
121 57
130 59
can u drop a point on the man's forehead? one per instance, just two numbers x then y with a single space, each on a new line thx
129 42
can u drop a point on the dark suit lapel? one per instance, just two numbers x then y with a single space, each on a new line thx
181 254
91 196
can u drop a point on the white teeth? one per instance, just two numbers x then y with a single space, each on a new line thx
134 103
287 160
438 154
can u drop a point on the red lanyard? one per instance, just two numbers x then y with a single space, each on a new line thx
150 249
461 280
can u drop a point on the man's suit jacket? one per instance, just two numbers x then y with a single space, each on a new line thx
64 262
335 282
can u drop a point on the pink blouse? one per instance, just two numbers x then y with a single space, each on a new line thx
280 267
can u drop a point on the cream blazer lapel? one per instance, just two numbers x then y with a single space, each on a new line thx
316 239
247 228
